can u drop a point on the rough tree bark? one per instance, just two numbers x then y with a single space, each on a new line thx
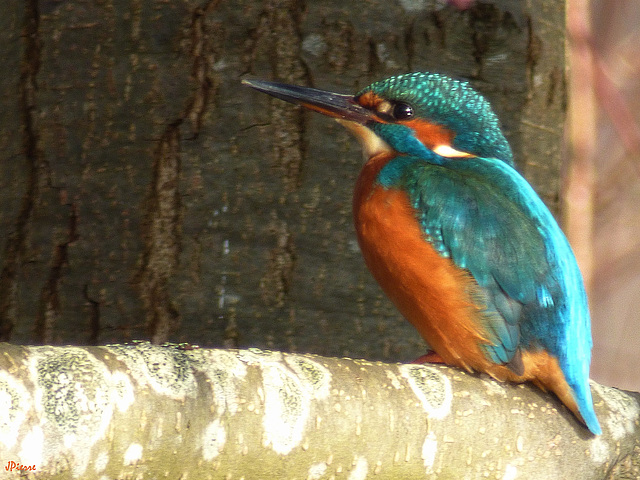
144 411
146 194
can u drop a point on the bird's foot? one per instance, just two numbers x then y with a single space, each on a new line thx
431 357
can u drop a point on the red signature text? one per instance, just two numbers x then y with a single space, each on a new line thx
11 466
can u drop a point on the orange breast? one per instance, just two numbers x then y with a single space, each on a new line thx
429 290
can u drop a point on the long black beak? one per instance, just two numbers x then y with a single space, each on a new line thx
332 104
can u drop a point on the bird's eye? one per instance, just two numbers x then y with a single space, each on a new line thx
390 110
402 111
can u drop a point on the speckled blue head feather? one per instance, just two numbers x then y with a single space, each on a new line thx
448 102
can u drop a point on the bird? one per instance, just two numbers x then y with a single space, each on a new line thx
457 238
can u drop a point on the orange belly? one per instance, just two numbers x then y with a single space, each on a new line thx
430 290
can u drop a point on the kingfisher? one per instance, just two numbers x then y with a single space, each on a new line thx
457 238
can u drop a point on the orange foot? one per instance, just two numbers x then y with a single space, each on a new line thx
431 357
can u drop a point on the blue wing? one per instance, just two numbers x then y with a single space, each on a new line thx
485 216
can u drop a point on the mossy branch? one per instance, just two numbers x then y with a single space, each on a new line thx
144 411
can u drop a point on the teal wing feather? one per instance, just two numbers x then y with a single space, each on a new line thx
484 215
487 234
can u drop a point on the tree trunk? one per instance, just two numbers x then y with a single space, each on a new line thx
147 194
144 411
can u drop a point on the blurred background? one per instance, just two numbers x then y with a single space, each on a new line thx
602 180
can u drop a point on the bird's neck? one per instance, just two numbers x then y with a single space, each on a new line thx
368 178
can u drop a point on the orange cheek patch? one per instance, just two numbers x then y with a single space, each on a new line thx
369 100
435 137
429 134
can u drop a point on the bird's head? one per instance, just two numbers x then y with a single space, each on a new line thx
419 114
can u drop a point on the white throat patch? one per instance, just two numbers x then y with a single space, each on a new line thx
372 144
